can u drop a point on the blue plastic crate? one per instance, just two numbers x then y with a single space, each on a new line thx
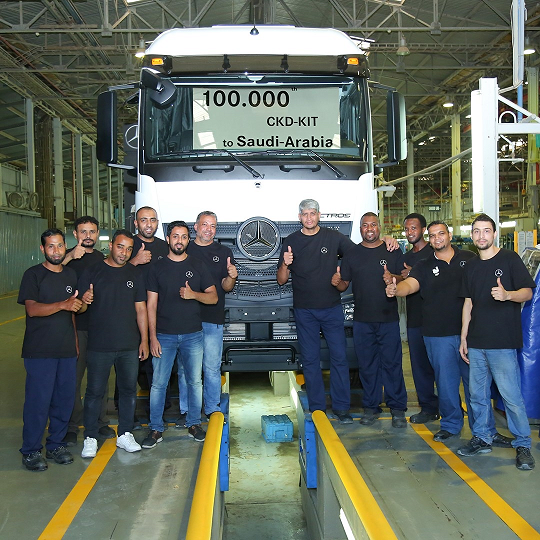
277 428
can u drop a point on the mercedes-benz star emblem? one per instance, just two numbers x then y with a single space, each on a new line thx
130 284
324 250
382 262
462 263
189 274
258 238
498 272
215 258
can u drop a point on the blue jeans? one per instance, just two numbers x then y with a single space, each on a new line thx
449 369
98 369
188 349
378 349
213 350
501 366
422 372
49 395
309 323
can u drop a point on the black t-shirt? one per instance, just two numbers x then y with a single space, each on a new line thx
80 265
365 268
174 314
440 287
315 260
414 301
52 336
112 318
214 256
495 324
158 248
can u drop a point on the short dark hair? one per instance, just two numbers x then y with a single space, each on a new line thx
121 232
484 217
371 214
438 222
177 223
145 208
206 213
52 232
419 217
85 219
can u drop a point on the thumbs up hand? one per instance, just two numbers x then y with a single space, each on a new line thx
391 288
88 296
387 276
336 278
406 271
499 292
78 251
143 256
186 292
73 303
231 269
288 256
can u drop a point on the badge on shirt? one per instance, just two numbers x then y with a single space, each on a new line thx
215 259
189 274
436 271
498 272
382 262
324 250
129 284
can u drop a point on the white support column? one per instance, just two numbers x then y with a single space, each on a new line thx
30 144
108 204
79 209
120 185
533 153
58 164
485 166
410 181
456 174
95 184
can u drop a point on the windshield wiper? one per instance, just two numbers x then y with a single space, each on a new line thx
249 169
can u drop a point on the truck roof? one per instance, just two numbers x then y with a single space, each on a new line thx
239 40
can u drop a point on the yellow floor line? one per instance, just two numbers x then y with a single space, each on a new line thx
9 296
497 504
13 320
60 522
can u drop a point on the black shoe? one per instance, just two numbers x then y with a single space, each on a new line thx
61 455
442 435
473 447
152 439
524 460
369 417
106 432
343 417
422 417
180 422
398 419
501 441
70 439
34 461
197 433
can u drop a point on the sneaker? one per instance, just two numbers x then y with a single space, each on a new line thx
474 446
106 432
128 443
34 461
90 448
398 419
343 417
61 455
369 417
70 439
197 433
501 441
152 439
422 417
442 435
181 421
524 459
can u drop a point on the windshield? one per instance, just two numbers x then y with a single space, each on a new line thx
212 117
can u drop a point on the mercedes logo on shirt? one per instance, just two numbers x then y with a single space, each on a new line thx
215 258
69 289
382 262
462 263
130 284
189 274
160 257
498 272
324 250
436 271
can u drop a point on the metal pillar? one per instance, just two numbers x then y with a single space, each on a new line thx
121 213
108 205
58 174
78 201
533 157
95 184
30 144
410 181
456 175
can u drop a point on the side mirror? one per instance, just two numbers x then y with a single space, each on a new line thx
161 91
396 126
107 131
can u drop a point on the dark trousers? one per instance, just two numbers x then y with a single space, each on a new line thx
309 323
49 395
422 372
77 415
126 364
378 349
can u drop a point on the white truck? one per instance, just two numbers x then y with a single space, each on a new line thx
247 122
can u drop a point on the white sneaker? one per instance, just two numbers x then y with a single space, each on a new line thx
90 448
128 443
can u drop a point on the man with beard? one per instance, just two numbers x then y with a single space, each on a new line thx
48 292
82 256
494 286
176 286
414 226
377 341
117 336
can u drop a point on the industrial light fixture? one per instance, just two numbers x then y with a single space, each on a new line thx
403 50
141 52
529 49
448 103
254 31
